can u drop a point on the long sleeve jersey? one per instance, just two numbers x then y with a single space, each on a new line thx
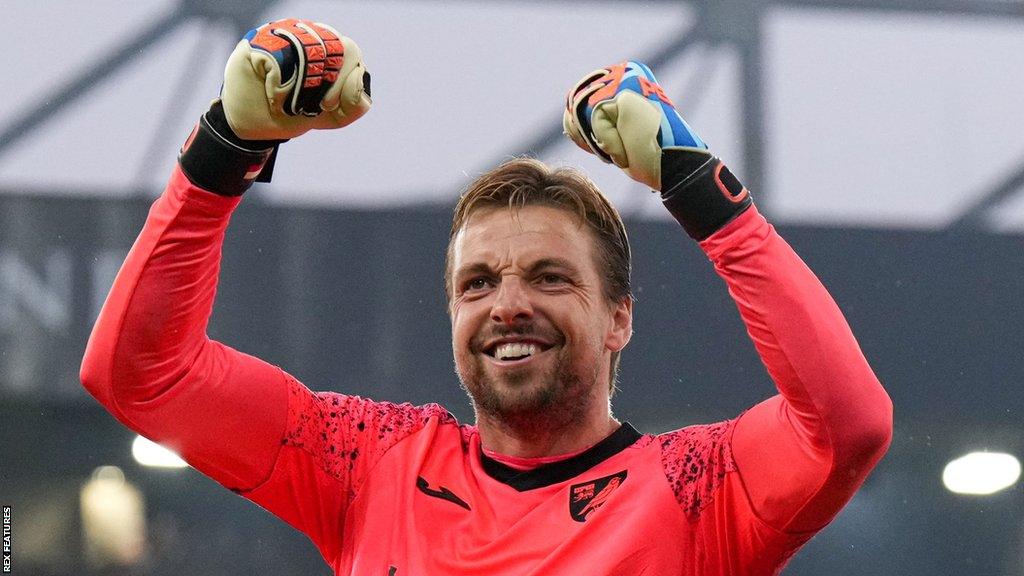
395 489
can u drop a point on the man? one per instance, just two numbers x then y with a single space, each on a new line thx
547 481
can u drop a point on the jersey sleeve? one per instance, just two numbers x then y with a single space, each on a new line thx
803 453
151 364
245 423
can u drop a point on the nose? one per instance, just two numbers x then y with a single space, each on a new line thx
512 302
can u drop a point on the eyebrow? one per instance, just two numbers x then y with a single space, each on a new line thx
542 264
545 263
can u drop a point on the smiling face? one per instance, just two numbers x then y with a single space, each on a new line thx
532 329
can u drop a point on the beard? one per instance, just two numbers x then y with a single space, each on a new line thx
531 398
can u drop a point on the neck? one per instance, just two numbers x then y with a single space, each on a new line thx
535 436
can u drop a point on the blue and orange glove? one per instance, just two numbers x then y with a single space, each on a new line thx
622 115
283 79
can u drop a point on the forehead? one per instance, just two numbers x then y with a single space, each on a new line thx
527 232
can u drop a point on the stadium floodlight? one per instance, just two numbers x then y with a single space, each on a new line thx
981 473
113 519
149 453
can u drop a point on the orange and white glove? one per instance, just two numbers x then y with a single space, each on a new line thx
291 76
282 80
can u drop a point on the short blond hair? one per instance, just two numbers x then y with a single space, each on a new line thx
526 181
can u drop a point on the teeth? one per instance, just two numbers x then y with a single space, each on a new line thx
514 350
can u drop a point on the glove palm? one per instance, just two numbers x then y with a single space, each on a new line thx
623 116
291 76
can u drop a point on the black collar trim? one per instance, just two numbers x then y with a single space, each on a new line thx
556 472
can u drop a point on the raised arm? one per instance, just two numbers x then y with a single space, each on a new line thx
150 363
801 454
149 360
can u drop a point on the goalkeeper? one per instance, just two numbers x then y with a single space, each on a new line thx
546 481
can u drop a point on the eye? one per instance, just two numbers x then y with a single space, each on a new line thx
551 278
478 283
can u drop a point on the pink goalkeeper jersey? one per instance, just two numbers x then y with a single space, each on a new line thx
391 490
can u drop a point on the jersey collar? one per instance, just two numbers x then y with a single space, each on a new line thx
563 470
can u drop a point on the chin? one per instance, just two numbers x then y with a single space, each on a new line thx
519 396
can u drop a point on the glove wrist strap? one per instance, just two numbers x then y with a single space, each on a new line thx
700 191
215 159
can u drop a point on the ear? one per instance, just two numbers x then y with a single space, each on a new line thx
621 328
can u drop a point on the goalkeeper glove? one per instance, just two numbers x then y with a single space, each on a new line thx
623 116
283 79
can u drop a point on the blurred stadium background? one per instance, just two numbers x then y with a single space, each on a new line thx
883 137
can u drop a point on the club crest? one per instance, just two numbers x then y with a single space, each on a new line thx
589 496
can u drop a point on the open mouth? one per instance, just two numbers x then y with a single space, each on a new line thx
515 351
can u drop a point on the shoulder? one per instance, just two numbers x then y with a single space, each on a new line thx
331 408
696 460
340 429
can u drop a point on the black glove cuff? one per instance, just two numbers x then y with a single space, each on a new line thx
700 192
215 159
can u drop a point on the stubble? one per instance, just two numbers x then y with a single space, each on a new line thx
531 399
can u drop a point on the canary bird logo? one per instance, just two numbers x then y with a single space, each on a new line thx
587 497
